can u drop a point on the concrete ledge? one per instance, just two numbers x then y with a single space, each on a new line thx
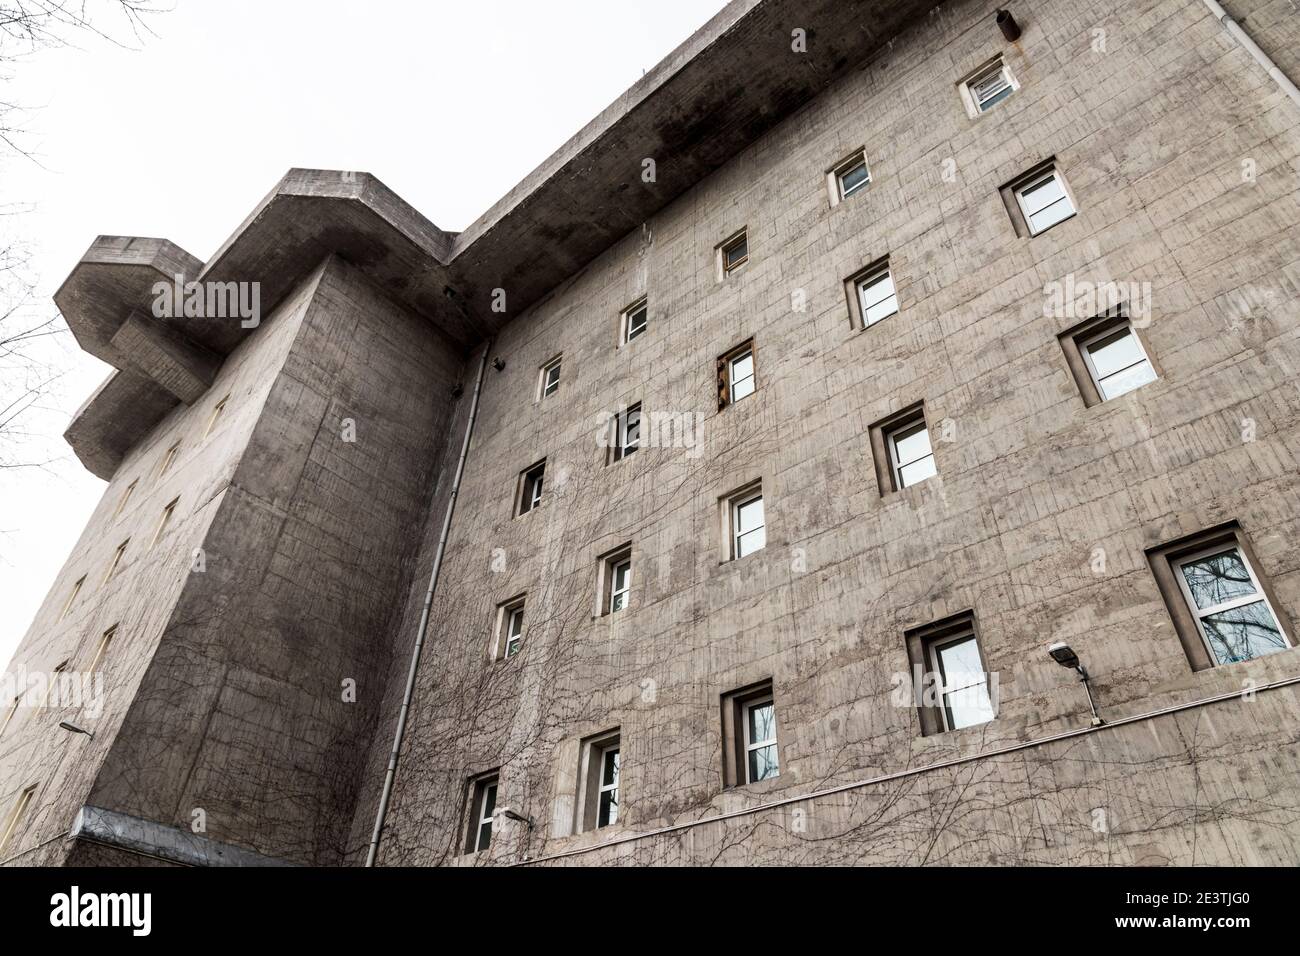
110 828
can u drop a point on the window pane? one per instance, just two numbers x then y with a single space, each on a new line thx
636 323
484 836
968 707
1115 352
1051 215
749 516
621 573
609 775
1218 578
742 388
853 178
960 665
911 445
608 808
1042 194
1243 633
736 251
762 724
1127 380
878 299
762 763
742 367
750 541
917 471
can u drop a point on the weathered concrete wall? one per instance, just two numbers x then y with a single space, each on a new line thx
244 714
1151 133
144 592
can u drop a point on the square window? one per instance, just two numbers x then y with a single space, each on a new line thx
746 522
600 774
530 487
510 629
1107 358
626 437
635 318
902 450
849 176
482 804
986 87
736 375
872 294
1043 200
1223 611
549 382
749 730
1117 362
734 253
946 658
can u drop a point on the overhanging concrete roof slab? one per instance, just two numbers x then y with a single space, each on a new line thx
732 81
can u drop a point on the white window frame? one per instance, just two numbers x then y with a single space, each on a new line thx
751 745
479 790
892 437
642 308
837 173
603 788
734 505
729 244
974 105
943 688
745 352
506 635
544 389
868 280
1038 179
1085 350
532 482
615 592
1198 614
622 448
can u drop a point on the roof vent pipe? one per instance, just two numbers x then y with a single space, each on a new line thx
1007 24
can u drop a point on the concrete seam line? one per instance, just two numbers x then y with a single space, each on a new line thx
1250 46
390 773
908 772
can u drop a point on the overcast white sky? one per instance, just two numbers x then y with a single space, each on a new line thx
179 136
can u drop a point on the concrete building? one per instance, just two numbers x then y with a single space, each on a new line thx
790 412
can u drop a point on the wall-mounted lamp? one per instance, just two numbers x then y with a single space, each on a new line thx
517 817
72 728
1064 655
498 363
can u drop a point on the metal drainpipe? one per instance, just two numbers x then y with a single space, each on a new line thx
391 774
1253 49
